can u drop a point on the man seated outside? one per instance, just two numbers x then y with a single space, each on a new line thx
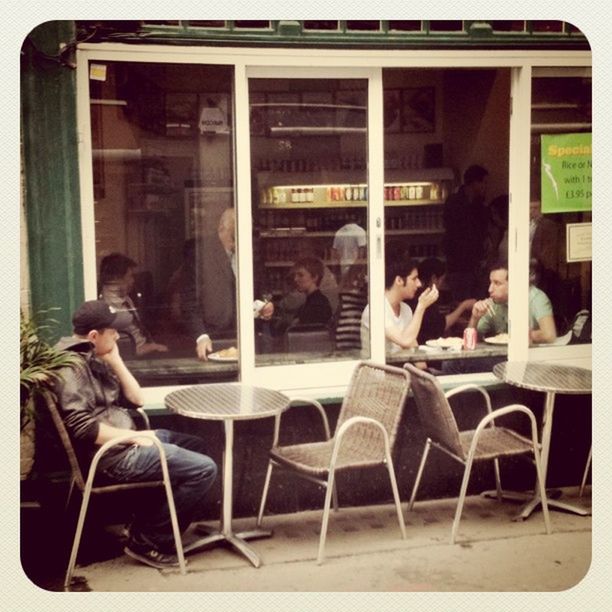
402 325
117 281
490 316
94 399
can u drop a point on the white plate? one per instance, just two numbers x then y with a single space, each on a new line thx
217 357
497 339
446 343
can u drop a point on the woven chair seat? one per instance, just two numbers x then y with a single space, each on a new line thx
495 442
314 458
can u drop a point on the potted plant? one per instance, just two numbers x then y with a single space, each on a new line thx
39 366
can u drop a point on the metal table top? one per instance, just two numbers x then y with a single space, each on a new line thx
547 377
226 401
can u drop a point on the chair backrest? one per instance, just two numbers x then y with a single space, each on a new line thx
581 327
434 410
75 468
379 392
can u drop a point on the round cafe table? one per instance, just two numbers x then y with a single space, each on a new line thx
228 402
550 379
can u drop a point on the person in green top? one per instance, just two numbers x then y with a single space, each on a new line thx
490 316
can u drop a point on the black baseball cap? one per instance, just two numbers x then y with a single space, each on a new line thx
97 314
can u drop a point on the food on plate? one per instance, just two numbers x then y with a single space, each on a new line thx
498 339
452 342
228 353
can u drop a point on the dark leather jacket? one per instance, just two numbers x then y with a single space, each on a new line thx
88 394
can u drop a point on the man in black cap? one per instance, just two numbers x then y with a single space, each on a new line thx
95 398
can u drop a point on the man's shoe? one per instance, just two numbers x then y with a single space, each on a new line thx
150 556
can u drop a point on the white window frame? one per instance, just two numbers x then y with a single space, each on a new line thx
330 380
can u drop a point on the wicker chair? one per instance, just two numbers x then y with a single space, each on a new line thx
365 435
486 442
87 488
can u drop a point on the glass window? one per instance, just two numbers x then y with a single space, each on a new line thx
310 193
446 210
163 185
560 205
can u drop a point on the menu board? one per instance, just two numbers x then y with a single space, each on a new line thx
567 172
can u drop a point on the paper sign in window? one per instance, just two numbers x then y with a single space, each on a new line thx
579 242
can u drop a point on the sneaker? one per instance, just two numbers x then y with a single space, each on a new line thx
150 556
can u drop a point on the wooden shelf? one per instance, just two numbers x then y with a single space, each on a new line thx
344 204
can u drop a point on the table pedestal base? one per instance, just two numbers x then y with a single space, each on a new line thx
534 500
237 541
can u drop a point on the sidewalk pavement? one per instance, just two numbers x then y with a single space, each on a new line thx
365 553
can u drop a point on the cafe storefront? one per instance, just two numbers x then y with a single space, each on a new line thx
305 133
305 140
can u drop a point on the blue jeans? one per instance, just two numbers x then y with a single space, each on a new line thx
192 473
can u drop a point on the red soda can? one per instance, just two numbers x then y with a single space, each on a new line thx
470 337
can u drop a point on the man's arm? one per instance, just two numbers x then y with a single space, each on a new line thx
453 317
129 385
108 432
407 337
547 332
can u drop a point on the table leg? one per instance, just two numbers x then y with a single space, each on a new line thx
236 540
532 504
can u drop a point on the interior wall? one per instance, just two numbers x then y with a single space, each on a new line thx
477 124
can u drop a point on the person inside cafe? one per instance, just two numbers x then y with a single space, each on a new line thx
208 299
316 309
402 324
95 398
465 226
435 324
490 316
117 282
349 245
293 299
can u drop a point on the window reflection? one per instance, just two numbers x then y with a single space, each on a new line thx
310 192
562 107
163 177
446 203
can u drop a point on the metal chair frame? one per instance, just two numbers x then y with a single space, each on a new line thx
344 427
88 489
586 472
467 461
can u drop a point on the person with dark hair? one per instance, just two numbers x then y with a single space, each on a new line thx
95 399
432 272
117 281
402 325
465 225
490 316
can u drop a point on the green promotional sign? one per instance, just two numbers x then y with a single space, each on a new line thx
567 172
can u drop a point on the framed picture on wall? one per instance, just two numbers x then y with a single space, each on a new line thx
418 109
392 110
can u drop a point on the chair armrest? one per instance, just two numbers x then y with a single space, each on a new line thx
507 410
302 400
471 387
350 423
145 417
120 439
